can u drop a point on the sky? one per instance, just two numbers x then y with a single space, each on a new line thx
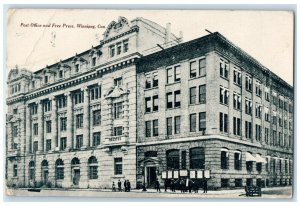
265 35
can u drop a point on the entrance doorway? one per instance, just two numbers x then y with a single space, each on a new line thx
75 165
76 176
151 176
45 172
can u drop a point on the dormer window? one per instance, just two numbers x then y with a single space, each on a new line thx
94 61
60 74
112 50
46 79
119 48
76 68
118 82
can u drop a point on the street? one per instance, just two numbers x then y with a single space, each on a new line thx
277 192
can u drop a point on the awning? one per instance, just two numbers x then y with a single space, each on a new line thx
250 158
260 159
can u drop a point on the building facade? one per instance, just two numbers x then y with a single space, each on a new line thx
213 110
73 124
143 106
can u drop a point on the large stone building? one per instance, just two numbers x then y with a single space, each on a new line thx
125 110
206 105
73 124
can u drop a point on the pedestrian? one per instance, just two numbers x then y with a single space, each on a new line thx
128 186
120 185
172 185
190 185
166 186
157 185
204 185
182 186
125 186
113 187
196 186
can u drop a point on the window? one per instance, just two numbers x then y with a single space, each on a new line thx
280 102
170 75
151 80
202 69
237 160
148 82
285 124
274 137
248 130
15 111
237 126
223 68
290 108
267 132
48 126
119 48
267 164
177 73
172 159
258 110
15 131
274 118
95 92
76 68
93 168
118 110
237 77
93 61
155 127
177 124
118 166
35 146
248 83
224 160
193 69
112 50
96 117
78 97
224 94
155 103
118 131
192 122
34 109
280 121
285 106
63 143
274 97
148 128
15 170
169 126
224 182
249 166
96 138
60 74
258 91
202 94
193 95
125 45
118 82
48 144
236 101
183 159
62 102
46 79
258 132
223 122
155 79
148 104
59 166
33 84
47 106
150 154
267 94
35 129
169 100
31 170
79 120
197 158
202 121
79 141
177 98
267 114
248 106
238 182
63 124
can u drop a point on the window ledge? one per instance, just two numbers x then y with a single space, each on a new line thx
151 88
198 77
236 84
224 78
169 84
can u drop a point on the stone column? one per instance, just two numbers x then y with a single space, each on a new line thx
40 127
86 118
22 140
69 120
54 122
28 130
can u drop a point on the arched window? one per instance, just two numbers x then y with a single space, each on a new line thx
224 158
93 168
44 163
75 161
173 159
197 158
31 170
59 166
237 160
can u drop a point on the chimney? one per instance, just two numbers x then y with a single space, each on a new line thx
168 33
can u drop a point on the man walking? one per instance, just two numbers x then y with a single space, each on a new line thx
157 185
119 185
128 186
125 186
204 185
